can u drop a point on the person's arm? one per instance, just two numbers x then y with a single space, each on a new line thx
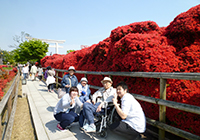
78 102
63 82
76 83
112 94
119 110
99 107
65 102
94 96
88 91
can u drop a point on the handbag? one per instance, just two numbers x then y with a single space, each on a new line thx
61 92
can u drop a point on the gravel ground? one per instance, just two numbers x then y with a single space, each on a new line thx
22 128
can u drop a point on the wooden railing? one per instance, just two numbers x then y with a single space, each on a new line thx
162 102
7 110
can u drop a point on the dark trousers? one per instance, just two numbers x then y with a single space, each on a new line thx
40 77
124 129
66 119
81 119
50 86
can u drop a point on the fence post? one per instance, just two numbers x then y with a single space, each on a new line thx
162 109
63 74
56 79
0 127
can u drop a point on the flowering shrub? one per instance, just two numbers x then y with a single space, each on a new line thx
144 46
5 77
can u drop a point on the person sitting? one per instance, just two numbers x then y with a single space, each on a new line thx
64 111
69 79
133 119
100 97
84 90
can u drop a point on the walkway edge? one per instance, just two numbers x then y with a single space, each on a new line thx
39 129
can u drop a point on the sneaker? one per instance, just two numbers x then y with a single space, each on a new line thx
81 128
59 127
90 128
85 126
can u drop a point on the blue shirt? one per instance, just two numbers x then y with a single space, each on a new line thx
69 80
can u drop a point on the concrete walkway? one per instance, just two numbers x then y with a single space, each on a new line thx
42 104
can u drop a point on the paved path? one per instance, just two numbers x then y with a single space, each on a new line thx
41 105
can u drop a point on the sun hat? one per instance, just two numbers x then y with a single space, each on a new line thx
71 68
83 79
106 79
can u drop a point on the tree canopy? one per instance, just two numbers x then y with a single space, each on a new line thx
8 57
32 51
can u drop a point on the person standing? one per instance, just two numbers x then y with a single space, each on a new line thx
69 80
50 80
40 72
133 119
25 71
45 73
33 72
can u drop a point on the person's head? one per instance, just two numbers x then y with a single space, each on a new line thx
71 70
49 68
83 81
40 66
73 92
122 89
106 82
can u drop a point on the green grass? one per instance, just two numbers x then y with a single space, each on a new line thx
7 68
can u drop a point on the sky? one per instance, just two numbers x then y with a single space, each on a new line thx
81 22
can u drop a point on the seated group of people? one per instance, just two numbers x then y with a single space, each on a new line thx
132 122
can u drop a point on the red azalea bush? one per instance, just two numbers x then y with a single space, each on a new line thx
5 77
144 46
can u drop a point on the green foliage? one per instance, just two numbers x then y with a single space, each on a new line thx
32 50
68 51
8 57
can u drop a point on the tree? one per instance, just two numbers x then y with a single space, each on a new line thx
32 51
68 51
19 39
8 57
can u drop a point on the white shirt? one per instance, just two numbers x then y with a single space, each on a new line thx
103 95
40 70
63 104
33 69
135 115
25 69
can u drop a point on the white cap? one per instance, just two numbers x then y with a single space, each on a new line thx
71 68
84 79
106 79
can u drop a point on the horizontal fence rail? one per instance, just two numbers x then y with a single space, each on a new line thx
162 102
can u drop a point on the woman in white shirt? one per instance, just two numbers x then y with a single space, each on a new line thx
133 119
25 71
64 112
